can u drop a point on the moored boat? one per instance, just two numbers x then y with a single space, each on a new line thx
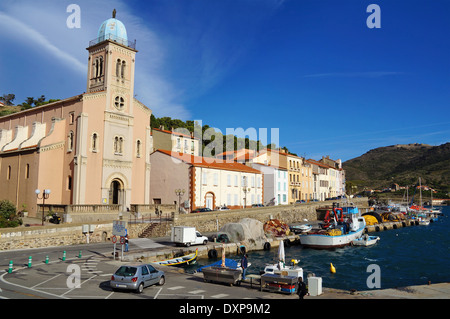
365 240
281 268
339 231
298 229
188 259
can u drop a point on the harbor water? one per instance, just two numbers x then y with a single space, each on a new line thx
412 255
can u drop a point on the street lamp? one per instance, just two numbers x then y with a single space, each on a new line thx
45 195
179 193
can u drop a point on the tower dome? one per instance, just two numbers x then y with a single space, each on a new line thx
113 29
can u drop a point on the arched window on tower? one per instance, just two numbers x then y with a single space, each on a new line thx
118 67
123 69
101 66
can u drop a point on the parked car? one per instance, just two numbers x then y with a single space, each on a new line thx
257 205
221 208
202 210
136 277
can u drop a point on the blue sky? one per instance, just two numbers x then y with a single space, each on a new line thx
311 68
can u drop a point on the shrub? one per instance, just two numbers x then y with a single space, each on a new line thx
8 215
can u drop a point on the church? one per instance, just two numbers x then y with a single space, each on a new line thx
89 149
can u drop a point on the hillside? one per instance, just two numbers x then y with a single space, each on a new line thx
401 164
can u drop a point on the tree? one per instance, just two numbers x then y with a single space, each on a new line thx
8 214
8 98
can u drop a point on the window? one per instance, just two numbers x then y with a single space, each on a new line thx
69 183
8 173
118 145
71 117
119 102
138 148
216 179
94 142
235 180
120 68
204 178
70 141
27 171
228 180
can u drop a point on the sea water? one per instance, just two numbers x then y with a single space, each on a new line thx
412 255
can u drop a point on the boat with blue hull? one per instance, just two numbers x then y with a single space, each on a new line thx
341 226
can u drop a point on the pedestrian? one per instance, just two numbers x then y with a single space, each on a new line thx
244 265
301 291
126 242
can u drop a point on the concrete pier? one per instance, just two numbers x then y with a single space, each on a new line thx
391 225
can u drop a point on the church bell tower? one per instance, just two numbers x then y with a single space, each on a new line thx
111 65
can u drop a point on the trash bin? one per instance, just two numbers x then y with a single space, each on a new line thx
315 286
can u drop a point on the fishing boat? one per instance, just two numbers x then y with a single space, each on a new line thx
188 259
281 267
365 240
298 229
424 222
339 232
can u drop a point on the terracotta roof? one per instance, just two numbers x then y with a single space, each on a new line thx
210 162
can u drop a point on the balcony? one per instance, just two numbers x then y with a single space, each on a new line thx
122 41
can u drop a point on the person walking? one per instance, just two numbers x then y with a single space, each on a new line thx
301 291
244 265
126 242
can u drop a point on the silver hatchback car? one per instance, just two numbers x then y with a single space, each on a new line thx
136 277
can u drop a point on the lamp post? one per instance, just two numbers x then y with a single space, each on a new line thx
179 193
45 195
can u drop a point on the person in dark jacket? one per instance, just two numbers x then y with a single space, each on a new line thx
301 291
244 265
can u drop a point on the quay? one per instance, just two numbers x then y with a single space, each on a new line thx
391 225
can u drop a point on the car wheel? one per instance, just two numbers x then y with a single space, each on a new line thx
140 288
188 244
162 281
205 242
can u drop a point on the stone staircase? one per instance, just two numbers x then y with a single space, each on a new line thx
155 230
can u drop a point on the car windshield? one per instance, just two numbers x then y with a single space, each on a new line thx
126 271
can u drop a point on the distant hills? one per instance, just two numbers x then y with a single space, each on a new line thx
401 164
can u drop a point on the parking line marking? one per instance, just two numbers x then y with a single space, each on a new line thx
197 291
45 281
156 296
176 287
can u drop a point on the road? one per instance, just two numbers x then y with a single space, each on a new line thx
86 276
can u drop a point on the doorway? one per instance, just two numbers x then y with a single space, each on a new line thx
116 192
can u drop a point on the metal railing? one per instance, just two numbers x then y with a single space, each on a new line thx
130 44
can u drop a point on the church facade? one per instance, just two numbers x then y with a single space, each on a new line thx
93 148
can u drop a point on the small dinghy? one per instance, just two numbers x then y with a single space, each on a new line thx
297 229
365 240
179 261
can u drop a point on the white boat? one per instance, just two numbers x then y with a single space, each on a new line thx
281 268
298 229
336 235
424 222
365 240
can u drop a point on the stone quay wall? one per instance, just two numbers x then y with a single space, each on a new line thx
72 234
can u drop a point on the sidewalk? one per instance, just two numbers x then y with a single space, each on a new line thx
433 291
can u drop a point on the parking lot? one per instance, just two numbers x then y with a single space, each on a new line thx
88 278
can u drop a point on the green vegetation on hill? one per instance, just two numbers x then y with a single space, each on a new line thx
211 139
401 164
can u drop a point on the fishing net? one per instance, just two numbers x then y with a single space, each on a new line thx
247 231
276 228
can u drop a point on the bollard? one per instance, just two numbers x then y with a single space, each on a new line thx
79 254
10 269
46 259
29 262
64 256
